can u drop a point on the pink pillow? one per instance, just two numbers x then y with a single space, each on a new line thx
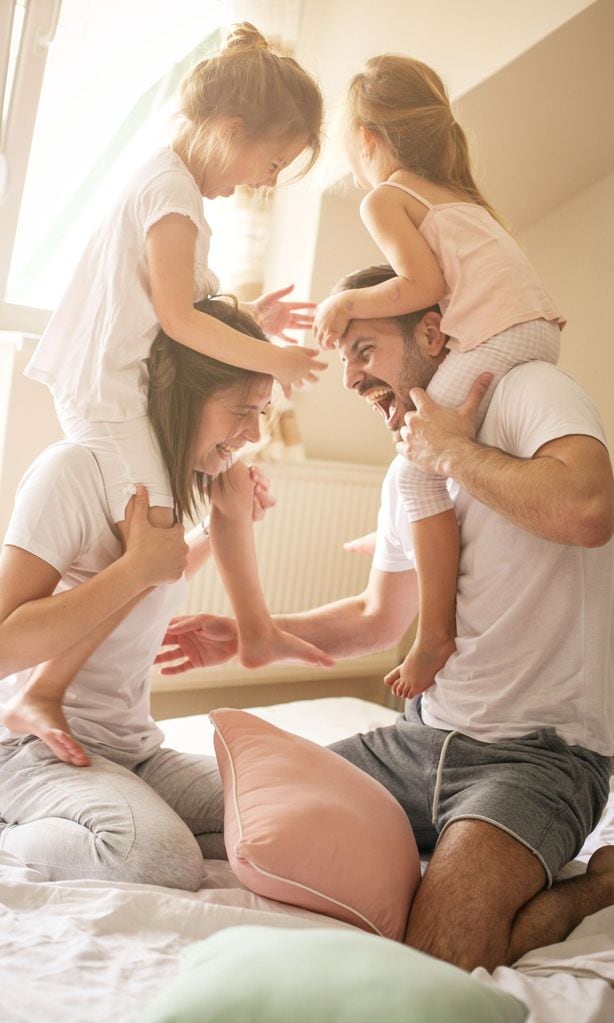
304 826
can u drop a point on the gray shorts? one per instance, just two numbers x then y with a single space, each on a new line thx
544 793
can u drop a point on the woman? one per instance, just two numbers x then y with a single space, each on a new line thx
138 813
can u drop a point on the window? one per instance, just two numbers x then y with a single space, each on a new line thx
89 90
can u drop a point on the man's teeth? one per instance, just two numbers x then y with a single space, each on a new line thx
382 400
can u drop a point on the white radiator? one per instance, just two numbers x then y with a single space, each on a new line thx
302 561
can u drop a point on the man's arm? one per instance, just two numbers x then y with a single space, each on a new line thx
564 493
370 621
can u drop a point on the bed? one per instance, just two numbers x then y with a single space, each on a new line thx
88 952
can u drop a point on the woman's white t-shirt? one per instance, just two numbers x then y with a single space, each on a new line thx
535 629
61 516
92 354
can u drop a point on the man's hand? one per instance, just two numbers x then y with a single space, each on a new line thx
159 555
431 435
197 641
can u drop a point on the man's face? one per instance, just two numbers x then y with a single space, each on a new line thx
383 367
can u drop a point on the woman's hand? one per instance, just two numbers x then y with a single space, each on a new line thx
160 555
276 317
197 641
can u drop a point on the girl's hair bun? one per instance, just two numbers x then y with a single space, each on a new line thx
245 36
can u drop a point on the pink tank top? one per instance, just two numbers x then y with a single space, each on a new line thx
490 283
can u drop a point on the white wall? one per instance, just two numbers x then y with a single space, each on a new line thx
573 249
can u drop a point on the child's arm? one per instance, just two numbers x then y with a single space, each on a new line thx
260 640
170 258
419 282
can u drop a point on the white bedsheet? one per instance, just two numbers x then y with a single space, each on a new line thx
88 952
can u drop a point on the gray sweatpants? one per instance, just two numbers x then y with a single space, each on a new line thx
125 818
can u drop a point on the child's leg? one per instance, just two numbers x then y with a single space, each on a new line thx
426 500
232 541
37 709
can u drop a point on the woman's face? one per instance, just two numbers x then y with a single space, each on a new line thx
229 420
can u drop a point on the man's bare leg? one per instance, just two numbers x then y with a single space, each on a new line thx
482 901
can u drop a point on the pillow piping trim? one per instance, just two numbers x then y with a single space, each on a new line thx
277 877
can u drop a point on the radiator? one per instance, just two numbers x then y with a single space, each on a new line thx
302 561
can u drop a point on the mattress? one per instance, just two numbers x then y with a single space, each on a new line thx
88 952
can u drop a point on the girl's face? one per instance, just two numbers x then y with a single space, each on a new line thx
354 148
229 420
255 164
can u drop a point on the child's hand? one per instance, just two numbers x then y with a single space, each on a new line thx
330 320
197 641
297 366
262 498
276 317
160 554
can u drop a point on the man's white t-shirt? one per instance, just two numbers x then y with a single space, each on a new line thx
92 354
535 644
61 516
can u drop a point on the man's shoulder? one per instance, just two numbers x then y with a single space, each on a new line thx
535 403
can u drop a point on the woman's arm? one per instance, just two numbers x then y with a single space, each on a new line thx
37 624
170 258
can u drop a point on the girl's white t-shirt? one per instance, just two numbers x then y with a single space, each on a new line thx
61 516
93 353
535 632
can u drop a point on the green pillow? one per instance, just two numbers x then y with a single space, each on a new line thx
277 975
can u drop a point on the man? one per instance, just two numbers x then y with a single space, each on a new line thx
503 765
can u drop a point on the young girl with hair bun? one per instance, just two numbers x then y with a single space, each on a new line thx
447 247
245 114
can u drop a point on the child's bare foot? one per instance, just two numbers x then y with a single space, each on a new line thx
418 670
33 715
274 645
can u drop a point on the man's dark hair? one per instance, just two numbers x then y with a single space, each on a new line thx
373 275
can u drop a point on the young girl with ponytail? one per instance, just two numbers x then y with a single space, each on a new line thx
447 247
245 114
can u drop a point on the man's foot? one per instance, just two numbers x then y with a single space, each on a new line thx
602 863
29 715
417 672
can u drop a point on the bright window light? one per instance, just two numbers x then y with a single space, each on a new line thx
108 94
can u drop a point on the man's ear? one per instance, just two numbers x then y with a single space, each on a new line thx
428 334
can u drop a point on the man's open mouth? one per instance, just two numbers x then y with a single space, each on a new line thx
383 400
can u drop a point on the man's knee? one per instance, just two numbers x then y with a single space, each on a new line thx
477 881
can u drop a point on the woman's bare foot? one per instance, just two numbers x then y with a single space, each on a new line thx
33 715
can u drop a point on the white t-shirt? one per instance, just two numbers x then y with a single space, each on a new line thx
61 516
535 644
92 354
